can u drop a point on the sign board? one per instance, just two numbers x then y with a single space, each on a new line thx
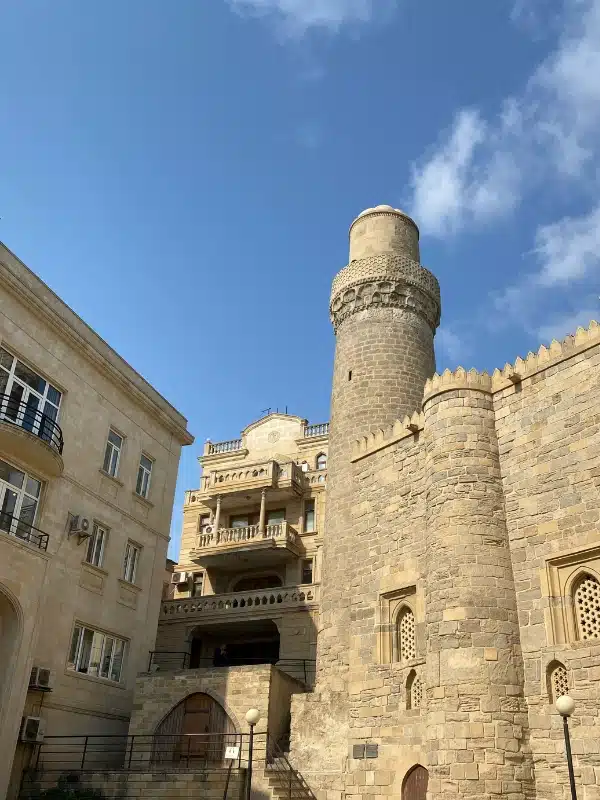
358 751
232 753
372 751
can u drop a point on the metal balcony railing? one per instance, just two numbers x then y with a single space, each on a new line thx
165 661
322 429
32 420
23 530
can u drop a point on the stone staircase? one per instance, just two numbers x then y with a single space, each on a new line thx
284 781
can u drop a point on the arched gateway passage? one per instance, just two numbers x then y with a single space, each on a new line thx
414 786
196 730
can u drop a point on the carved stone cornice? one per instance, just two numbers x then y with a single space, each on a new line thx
386 280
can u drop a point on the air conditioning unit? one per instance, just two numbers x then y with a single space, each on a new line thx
80 526
32 729
40 679
179 577
207 528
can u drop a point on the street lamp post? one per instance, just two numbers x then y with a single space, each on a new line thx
565 706
252 717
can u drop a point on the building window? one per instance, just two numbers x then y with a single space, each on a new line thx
587 607
19 497
238 522
558 681
307 570
257 583
406 635
96 544
414 691
304 466
27 399
142 486
203 521
112 454
321 461
95 653
309 516
130 565
197 581
276 517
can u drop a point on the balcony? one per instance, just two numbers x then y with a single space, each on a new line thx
282 481
234 605
249 545
30 437
23 531
321 429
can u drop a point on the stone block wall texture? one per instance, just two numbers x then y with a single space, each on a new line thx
477 732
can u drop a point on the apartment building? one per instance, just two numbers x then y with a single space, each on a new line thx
89 454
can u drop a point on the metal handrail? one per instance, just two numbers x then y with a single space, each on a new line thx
32 420
278 764
307 665
23 530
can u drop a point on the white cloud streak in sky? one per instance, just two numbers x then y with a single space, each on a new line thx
296 17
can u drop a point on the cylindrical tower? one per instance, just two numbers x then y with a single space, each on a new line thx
477 720
385 308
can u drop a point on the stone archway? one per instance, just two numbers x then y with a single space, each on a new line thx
9 637
197 729
414 786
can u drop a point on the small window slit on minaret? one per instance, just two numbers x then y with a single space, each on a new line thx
349 374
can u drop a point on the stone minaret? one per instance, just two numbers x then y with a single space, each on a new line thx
385 308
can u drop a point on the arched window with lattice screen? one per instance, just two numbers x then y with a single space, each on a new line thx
414 690
558 681
405 634
586 602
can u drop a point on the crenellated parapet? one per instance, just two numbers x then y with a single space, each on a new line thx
450 381
384 437
581 340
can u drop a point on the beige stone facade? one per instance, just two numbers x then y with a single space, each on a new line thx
460 589
83 529
248 575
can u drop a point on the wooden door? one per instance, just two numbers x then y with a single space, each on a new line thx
196 726
415 784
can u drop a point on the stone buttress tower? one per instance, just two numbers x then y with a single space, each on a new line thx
477 725
385 308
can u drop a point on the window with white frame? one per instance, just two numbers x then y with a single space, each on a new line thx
130 564
95 653
19 498
112 454
142 486
27 399
96 545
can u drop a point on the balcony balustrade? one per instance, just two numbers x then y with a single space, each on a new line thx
218 607
315 478
274 543
321 429
30 436
267 474
230 446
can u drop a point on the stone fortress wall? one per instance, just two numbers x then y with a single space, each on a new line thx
461 562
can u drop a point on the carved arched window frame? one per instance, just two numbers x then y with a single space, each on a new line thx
404 644
584 606
321 461
414 690
557 680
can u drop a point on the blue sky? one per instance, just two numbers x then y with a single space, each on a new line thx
184 173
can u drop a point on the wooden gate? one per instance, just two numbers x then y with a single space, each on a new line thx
196 730
415 784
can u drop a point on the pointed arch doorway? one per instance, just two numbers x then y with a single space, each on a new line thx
197 730
414 786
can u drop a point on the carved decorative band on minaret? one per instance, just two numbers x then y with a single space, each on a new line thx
387 281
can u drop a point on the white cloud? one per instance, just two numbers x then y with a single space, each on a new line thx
551 130
451 345
569 249
563 325
295 17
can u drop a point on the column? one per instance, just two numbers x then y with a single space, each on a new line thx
218 514
261 518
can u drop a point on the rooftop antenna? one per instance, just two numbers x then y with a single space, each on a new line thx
266 411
